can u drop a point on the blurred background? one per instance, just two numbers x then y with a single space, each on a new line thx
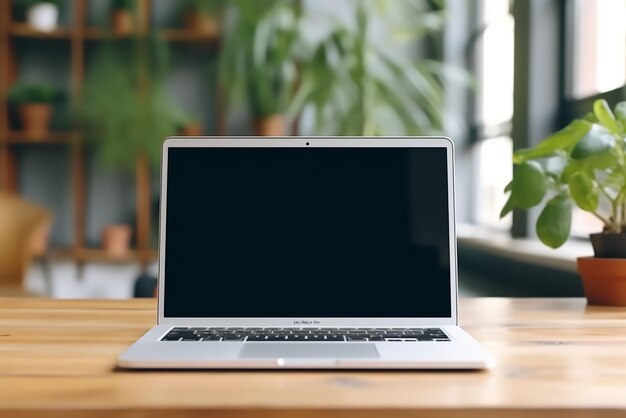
89 88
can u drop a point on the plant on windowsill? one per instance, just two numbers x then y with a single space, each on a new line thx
34 105
584 164
41 15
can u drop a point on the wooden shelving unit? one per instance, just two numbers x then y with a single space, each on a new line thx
79 35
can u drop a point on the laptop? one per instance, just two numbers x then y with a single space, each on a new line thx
307 253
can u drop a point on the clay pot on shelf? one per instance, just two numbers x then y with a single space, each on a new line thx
192 129
35 118
604 276
273 125
43 16
116 239
122 22
202 23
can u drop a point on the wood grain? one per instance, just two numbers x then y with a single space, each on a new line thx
557 357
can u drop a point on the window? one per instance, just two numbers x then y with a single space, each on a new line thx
494 170
598 46
494 110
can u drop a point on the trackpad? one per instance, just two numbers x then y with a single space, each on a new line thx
309 350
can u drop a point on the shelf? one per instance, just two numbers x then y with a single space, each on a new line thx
97 34
186 35
17 137
24 30
172 35
97 255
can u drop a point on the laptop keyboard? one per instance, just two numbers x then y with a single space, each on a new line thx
305 334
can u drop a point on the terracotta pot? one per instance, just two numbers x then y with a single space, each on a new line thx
40 239
122 22
270 126
116 239
604 280
204 24
35 119
192 129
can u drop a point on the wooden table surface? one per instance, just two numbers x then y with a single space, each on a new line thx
556 357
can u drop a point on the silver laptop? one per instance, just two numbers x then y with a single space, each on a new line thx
332 253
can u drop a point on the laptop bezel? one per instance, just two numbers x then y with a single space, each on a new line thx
309 142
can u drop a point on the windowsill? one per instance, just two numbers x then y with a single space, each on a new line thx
523 250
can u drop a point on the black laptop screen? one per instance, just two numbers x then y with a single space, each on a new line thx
307 232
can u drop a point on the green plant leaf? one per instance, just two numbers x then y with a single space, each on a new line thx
620 112
584 192
555 221
572 168
528 187
591 118
565 139
508 207
597 141
601 161
603 112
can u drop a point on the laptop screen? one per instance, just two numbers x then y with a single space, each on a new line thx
307 232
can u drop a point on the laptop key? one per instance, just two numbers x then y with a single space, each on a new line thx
296 337
356 338
211 338
257 338
274 337
232 338
334 338
171 338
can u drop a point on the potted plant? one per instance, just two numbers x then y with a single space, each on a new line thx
201 16
41 15
116 239
126 112
356 83
186 124
258 61
122 16
34 104
584 164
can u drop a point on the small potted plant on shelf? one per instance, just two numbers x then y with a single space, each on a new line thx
41 15
186 124
34 104
116 239
202 16
584 164
122 16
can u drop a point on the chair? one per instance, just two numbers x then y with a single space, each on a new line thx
24 231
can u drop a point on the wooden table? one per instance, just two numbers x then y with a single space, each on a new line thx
557 357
